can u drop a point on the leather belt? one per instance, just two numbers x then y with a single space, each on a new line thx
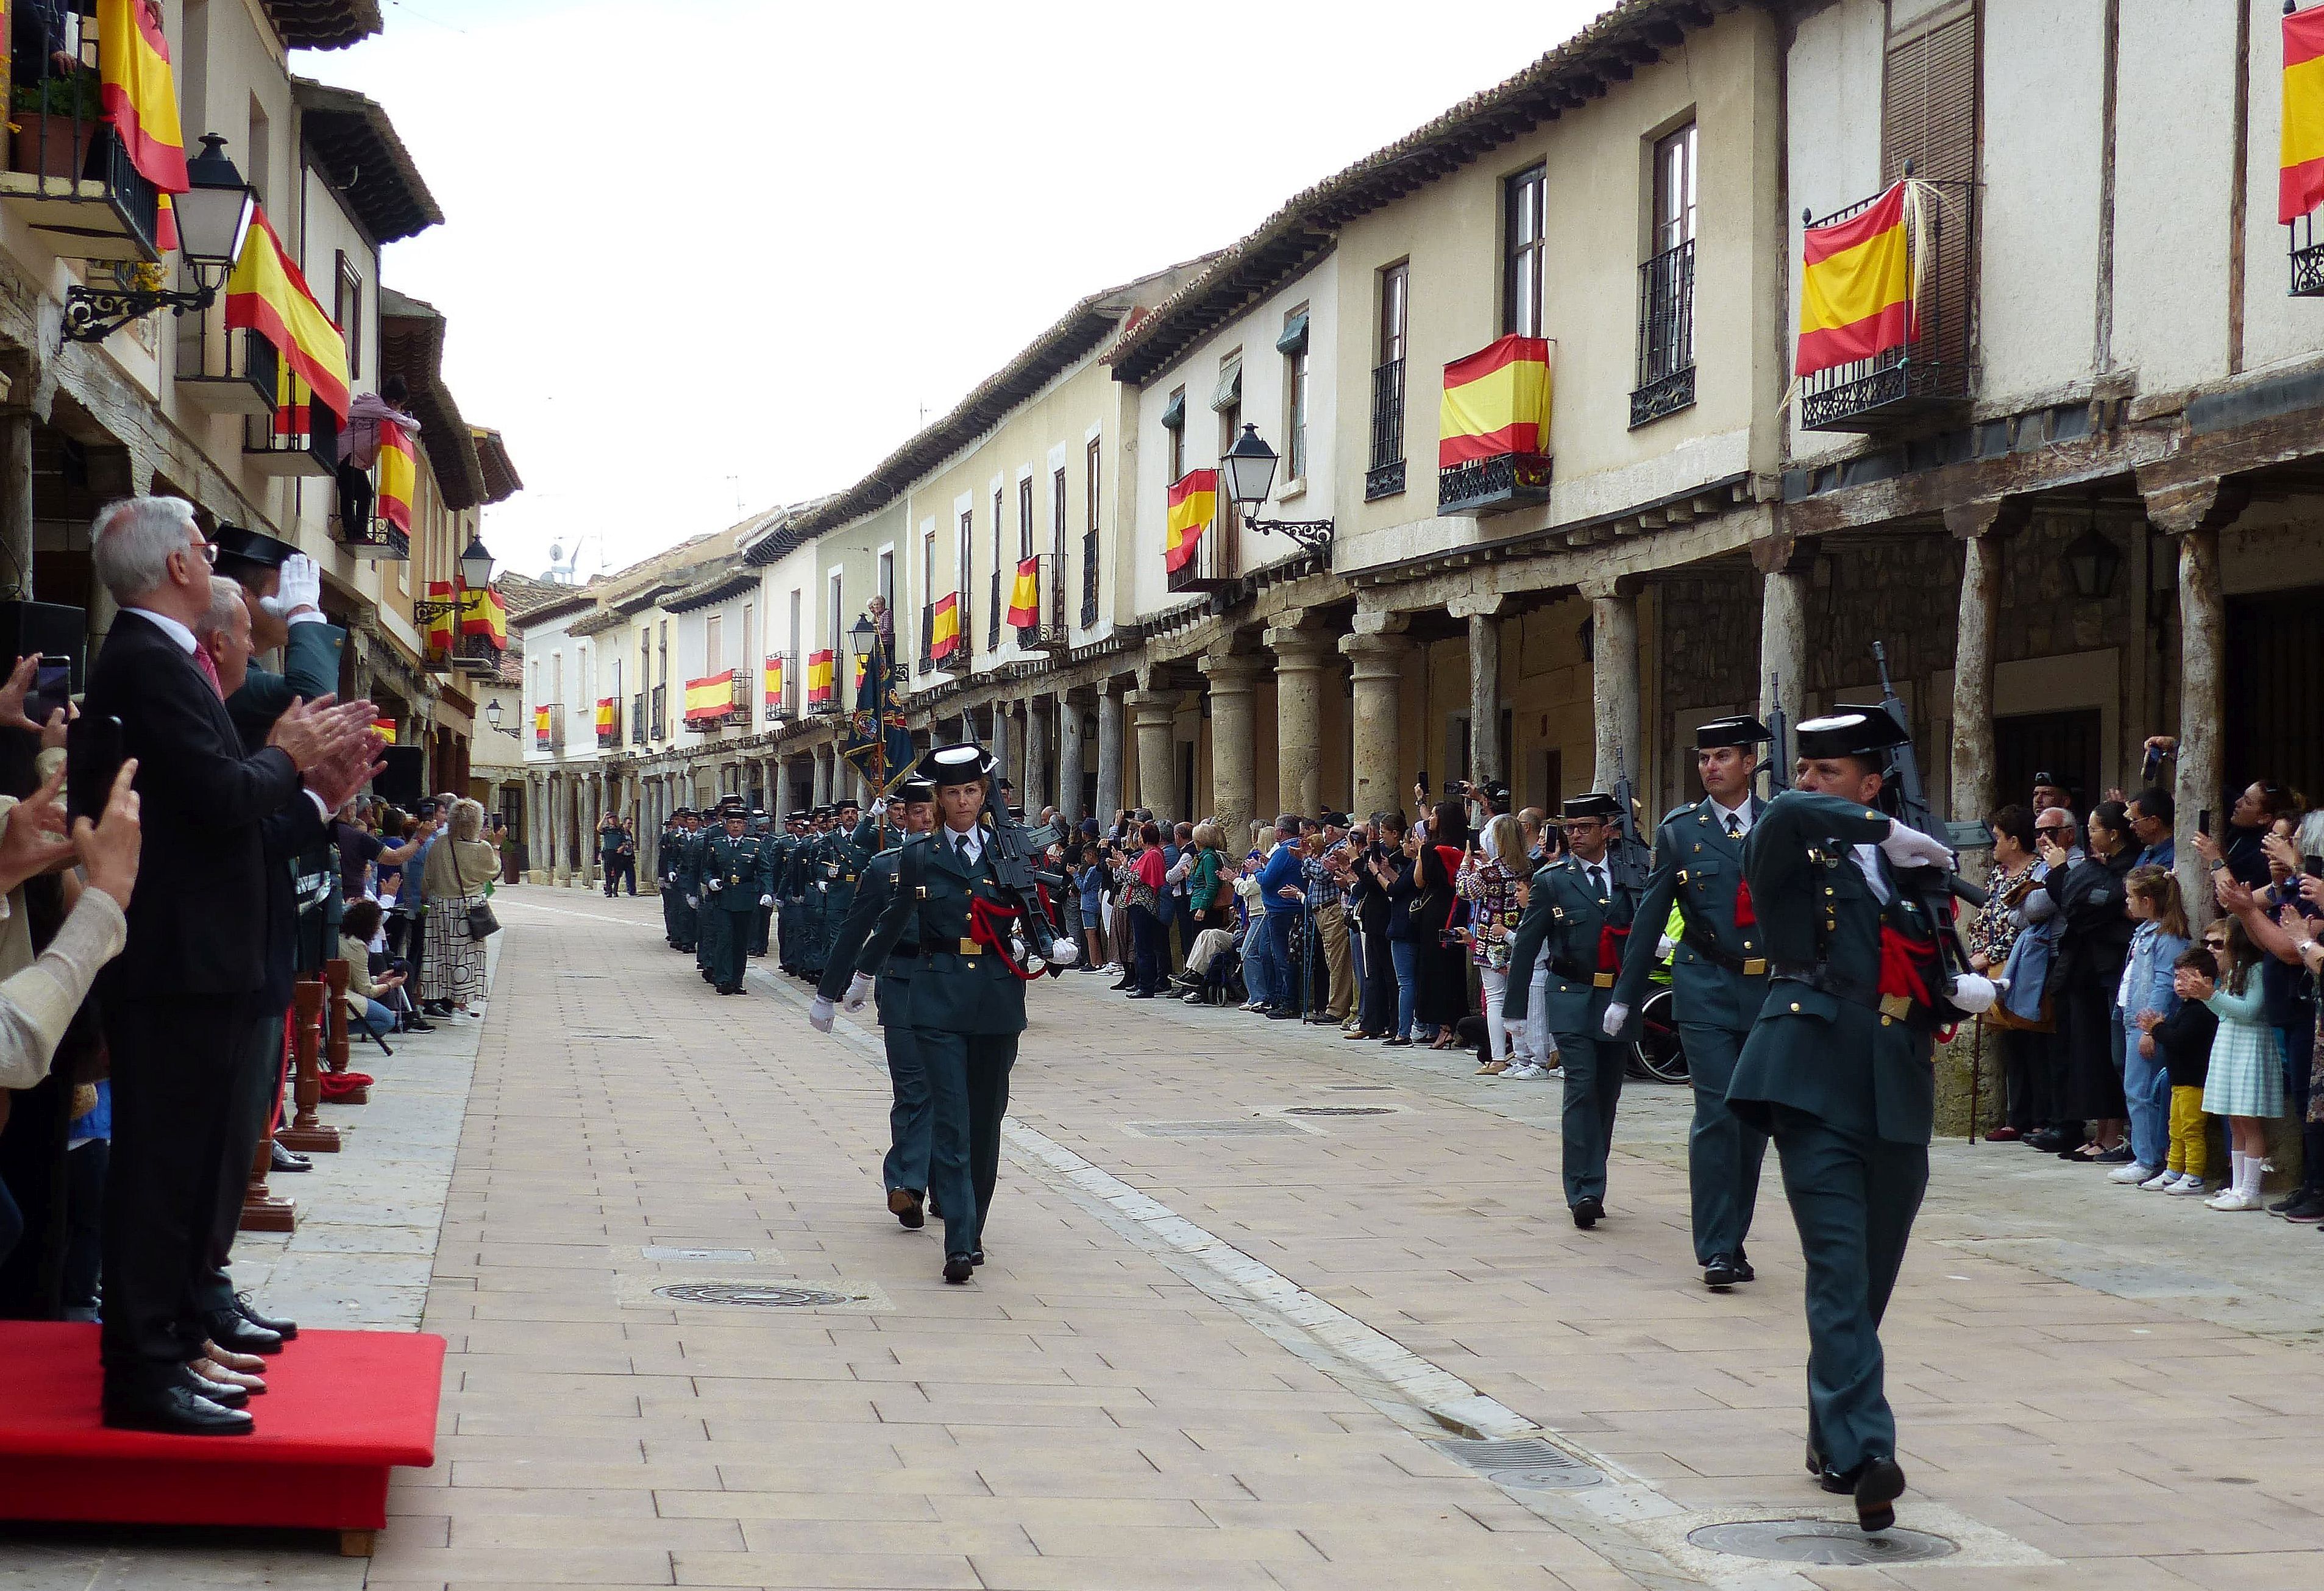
1820 976
971 947
1749 967
1572 973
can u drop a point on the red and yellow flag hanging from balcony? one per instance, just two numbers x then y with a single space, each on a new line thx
541 728
604 718
818 678
943 627
1855 287
2301 181
1025 594
398 475
1495 403
774 682
141 101
385 729
863 661
440 620
1193 502
710 699
484 613
267 293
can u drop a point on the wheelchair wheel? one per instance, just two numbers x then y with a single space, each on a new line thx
1658 1054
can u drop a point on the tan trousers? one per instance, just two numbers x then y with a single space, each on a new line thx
1331 927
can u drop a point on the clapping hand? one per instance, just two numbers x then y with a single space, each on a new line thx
32 836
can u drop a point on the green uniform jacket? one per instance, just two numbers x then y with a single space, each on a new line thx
841 865
1565 916
947 990
1838 1059
310 668
667 850
740 868
1696 869
876 891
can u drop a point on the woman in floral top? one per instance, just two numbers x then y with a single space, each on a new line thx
1490 888
1993 930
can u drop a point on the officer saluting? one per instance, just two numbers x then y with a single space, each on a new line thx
964 999
1837 1069
735 880
905 1171
1579 917
1719 982
671 866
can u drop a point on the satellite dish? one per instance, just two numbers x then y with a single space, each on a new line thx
556 553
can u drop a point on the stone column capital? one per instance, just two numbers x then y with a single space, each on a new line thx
2181 508
1231 671
1152 707
1480 605
1988 516
1380 620
1609 587
1375 657
1296 650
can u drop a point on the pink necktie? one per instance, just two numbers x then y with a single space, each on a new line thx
203 662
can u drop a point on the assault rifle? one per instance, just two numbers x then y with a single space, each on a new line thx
1779 739
1013 853
1906 802
1629 860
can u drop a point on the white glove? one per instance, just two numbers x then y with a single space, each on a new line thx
819 1016
879 807
1909 847
766 900
300 586
1973 994
713 886
1665 948
1617 1017
859 990
693 902
823 889
1064 952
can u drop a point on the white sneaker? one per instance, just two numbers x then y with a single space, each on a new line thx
2230 1201
2133 1172
2188 1186
2162 1183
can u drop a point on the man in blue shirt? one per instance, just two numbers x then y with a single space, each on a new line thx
2152 814
1280 886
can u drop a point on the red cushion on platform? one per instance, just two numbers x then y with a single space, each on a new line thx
341 1409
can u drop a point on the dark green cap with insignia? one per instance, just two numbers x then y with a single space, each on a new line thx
1597 803
1741 730
1850 732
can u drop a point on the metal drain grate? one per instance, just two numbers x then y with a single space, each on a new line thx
1244 1127
1818 1540
663 1254
1339 1110
1524 1461
756 1295
617 1038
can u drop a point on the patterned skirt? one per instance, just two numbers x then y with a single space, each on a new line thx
453 969
2246 1075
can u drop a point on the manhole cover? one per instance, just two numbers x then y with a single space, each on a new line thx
759 1295
1339 1110
1525 1461
614 1038
662 1255
1250 1127
1361 1088
1818 1540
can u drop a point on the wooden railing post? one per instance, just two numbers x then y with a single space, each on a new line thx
261 1210
313 998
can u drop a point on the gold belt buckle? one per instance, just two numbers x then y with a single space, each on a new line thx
1755 966
1898 1007
971 947
1604 980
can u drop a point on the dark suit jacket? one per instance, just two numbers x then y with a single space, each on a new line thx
197 920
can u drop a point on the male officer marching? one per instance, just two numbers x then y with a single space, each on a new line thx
1719 982
665 867
1579 916
785 929
709 921
845 850
679 860
735 881
1837 1069
964 1001
813 891
906 1168
762 923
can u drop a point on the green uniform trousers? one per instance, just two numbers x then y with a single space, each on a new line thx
1723 1152
968 1095
1594 1067
730 956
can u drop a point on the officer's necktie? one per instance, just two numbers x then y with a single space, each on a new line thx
1734 826
960 844
1598 880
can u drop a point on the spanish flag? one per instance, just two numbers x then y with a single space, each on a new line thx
1856 290
710 699
818 677
398 470
2302 177
774 683
290 398
863 661
605 719
1193 501
1495 403
267 293
484 613
1025 595
385 729
541 728
440 622
944 630
139 97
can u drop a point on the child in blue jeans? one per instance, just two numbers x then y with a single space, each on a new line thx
2145 998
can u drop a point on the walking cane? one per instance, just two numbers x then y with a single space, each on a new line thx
1976 1064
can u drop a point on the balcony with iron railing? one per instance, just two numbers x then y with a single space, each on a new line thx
292 440
609 723
784 707
992 623
1384 475
638 718
223 370
549 727
2307 257
1213 566
658 726
1930 379
1089 580
954 658
476 654
70 179
1497 483
1047 633
1666 336
828 702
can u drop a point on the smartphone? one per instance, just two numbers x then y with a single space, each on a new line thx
93 756
2203 821
1424 781
51 689
2313 866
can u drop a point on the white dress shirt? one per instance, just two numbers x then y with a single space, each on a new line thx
1733 820
168 627
968 844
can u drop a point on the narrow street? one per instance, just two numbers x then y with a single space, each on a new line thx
1226 1327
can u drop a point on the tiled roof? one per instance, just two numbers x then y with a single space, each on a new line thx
368 165
323 24
411 345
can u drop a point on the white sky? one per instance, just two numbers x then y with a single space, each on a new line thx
690 240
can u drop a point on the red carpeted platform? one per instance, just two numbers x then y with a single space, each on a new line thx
342 1409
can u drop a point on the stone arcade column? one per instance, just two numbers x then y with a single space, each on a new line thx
819 792
1488 757
1154 714
1299 718
536 829
1001 745
1108 754
1376 660
1234 750
2195 512
1614 679
1069 757
1981 527
1782 626
1039 788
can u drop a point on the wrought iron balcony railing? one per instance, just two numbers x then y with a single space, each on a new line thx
1047 633
1089 580
993 623
659 727
1931 377
785 707
1385 475
1666 336
297 439
69 178
224 371
638 718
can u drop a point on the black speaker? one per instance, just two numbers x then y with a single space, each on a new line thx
401 781
54 631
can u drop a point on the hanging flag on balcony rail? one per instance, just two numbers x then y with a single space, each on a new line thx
1857 286
605 717
1025 594
541 728
710 699
141 101
385 729
858 686
818 678
485 613
1495 403
774 682
878 745
267 293
943 627
2301 181
441 621
291 397
399 473
1193 503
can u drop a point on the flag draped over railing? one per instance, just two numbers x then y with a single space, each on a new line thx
484 613
604 718
399 474
385 729
774 683
1194 500
541 728
710 697
1025 594
944 628
1495 403
269 294
1856 284
441 619
2301 181
818 678
140 100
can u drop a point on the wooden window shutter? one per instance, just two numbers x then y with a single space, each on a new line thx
1928 108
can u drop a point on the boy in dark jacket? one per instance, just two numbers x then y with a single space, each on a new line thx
2184 1037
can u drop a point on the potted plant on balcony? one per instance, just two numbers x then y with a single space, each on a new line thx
54 120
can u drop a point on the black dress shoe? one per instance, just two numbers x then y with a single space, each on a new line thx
1282 1013
1589 1212
1838 1482
175 1409
222 1393
282 1160
229 1330
1879 1482
976 1256
1124 984
415 1025
285 1329
958 1268
1721 1273
1140 994
1743 1272
904 1204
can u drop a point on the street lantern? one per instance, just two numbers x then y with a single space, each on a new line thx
492 718
2091 562
476 566
213 215
1249 467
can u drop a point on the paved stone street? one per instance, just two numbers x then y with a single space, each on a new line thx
1221 1338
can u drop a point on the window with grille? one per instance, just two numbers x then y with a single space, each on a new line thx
1666 284
1522 229
1385 475
1178 404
